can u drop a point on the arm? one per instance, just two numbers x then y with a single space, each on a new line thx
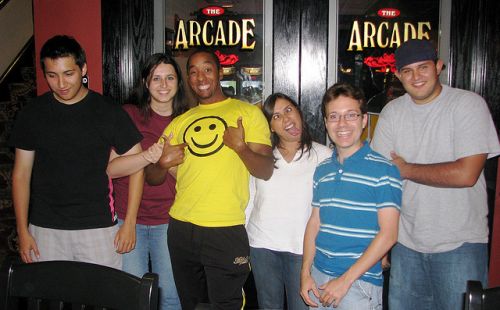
257 157
306 281
171 157
336 289
463 172
21 180
120 166
125 237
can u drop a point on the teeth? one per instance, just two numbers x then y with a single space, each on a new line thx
289 127
343 133
203 87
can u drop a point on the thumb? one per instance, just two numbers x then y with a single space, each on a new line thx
166 140
315 291
36 251
240 122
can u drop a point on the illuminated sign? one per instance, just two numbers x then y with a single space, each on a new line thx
213 11
215 32
388 13
386 34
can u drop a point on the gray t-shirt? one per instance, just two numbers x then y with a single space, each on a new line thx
456 124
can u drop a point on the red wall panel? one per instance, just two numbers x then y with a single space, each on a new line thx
76 18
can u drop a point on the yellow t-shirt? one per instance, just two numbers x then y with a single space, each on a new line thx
212 183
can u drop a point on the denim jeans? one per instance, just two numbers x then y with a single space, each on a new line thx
151 243
435 281
361 296
274 273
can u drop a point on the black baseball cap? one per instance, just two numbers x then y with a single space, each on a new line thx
414 50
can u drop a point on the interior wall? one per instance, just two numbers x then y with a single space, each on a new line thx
16 28
79 19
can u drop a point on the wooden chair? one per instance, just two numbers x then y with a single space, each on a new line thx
477 298
75 285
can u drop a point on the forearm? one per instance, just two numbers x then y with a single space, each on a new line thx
457 174
309 250
21 181
259 164
126 165
136 185
20 199
379 246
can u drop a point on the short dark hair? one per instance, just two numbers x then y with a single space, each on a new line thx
346 90
268 109
141 95
206 51
62 46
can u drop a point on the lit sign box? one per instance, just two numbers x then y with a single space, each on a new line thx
215 32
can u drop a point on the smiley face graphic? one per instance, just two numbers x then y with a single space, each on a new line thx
204 136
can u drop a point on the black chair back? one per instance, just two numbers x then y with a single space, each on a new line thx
76 285
477 298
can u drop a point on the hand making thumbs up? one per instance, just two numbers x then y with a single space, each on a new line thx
234 137
172 155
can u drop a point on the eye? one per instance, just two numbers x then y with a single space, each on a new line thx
197 128
171 78
351 116
288 109
212 126
275 116
334 117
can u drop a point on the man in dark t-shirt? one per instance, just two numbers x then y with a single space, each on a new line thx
61 191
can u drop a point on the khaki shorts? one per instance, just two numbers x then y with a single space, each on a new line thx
87 245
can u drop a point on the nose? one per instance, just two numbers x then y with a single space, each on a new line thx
60 82
342 120
163 83
200 76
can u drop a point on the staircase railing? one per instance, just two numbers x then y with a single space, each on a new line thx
21 53
3 3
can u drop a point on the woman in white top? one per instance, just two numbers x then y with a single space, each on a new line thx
280 207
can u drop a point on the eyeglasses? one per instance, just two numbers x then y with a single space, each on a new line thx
349 117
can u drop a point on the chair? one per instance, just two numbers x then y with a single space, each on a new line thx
75 285
477 298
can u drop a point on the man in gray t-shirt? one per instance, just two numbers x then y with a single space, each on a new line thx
439 137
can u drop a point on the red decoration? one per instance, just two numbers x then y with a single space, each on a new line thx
388 13
385 62
213 11
227 60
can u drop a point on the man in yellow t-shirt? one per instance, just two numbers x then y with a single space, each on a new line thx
212 148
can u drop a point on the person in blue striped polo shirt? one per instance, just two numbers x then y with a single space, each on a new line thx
354 222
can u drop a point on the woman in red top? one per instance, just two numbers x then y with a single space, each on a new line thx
158 98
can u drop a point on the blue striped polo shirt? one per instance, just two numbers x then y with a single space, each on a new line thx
349 196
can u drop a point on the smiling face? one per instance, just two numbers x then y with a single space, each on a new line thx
421 80
345 134
204 78
163 85
286 121
204 136
64 77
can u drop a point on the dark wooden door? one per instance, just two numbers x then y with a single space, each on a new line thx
300 49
